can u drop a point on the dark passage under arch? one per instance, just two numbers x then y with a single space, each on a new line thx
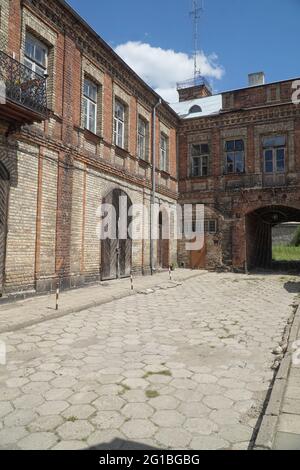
259 225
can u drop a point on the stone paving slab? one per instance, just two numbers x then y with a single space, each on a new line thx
280 426
182 368
26 312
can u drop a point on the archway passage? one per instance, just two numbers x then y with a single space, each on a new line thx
259 226
4 189
116 251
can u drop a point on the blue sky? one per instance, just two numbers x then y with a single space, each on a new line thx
236 36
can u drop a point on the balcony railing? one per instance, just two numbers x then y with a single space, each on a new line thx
22 86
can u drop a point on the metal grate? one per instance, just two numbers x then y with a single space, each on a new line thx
23 86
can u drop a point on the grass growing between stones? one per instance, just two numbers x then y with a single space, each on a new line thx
286 253
151 394
166 373
125 389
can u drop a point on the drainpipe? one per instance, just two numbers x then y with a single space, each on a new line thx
153 195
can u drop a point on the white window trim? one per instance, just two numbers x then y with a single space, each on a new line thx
164 158
119 122
30 60
143 137
91 102
274 160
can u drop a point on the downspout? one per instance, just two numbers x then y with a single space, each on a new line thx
153 195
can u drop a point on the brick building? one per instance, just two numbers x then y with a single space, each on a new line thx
79 128
240 156
68 142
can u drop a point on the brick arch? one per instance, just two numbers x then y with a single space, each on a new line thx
258 226
4 193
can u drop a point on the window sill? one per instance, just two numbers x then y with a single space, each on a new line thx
95 138
234 174
144 163
121 152
199 177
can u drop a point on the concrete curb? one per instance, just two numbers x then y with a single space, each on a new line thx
94 304
267 431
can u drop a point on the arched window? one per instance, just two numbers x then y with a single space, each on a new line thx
195 109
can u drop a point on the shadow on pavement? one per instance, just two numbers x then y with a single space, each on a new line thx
292 287
120 444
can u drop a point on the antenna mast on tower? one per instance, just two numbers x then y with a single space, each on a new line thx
196 15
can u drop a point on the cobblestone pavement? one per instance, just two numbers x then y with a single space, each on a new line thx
183 368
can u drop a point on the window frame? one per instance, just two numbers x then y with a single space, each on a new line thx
208 224
201 156
142 138
33 63
234 153
274 149
119 124
88 103
164 153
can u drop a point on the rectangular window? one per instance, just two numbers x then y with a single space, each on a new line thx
274 154
90 93
164 153
235 156
200 160
142 139
119 124
210 226
36 55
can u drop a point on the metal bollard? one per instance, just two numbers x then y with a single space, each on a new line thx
57 297
131 281
170 273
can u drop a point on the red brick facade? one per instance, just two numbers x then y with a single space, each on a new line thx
251 115
60 172
67 170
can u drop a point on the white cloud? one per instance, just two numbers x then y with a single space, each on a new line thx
163 68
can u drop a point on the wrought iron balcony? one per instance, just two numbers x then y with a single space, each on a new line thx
23 94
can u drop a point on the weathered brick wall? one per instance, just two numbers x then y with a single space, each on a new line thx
4 10
22 216
62 173
234 196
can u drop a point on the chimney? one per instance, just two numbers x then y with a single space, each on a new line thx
194 88
256 79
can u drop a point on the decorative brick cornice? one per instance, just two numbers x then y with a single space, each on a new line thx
241 118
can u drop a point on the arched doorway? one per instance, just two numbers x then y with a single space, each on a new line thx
259 226
163 242
4 189
116 250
